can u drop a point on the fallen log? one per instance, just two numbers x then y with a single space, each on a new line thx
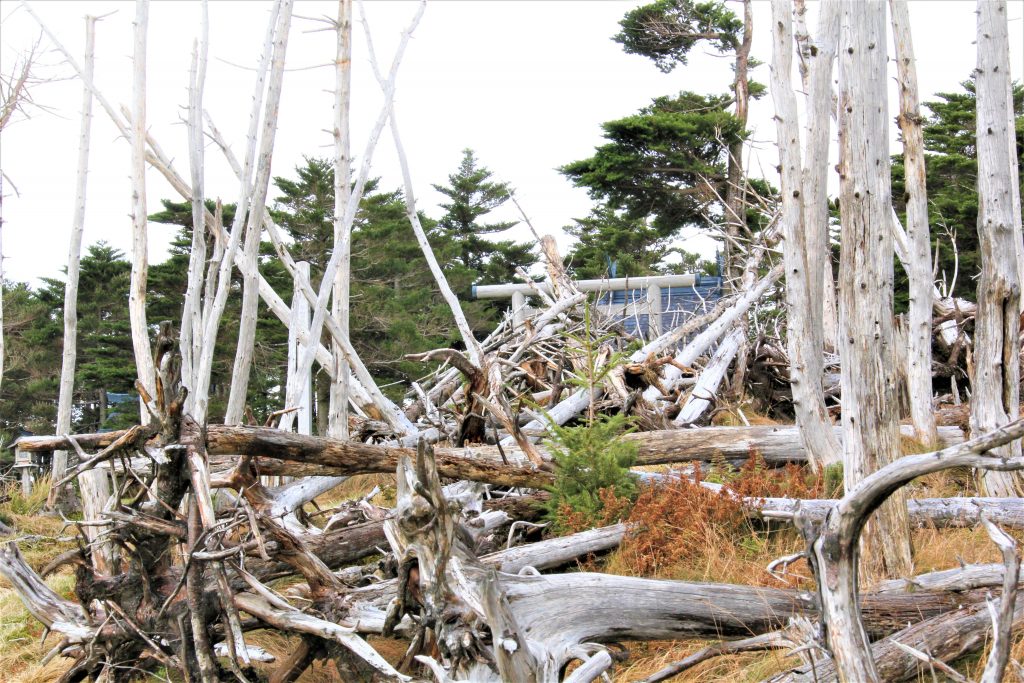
507 465
944 638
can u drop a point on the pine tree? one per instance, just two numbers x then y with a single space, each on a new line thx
952 175
473 194
663 162
106 361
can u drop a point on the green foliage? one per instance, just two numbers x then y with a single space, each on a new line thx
665 31
657 162
607 236
832 480
472 194
951 167
28 395
589 458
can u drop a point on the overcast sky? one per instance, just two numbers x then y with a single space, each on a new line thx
525 84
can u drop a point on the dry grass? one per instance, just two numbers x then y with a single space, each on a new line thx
726 548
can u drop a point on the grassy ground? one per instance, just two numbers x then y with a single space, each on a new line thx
713 545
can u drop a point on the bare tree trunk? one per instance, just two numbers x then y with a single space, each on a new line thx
191 335
705 390
338 410
212 311
995 397
137 294
870 427
801 254
816 58
254 224
735 189
320 309
67 370
473 348
919 368
298 381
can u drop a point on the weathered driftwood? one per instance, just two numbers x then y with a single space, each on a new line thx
703 394
834 544
945 637
507 465
550 615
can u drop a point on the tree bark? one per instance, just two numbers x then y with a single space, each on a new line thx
254 223
995 396
338 409
833 546
191 333
919 367
869 419
801 253
320 308
140 257
212 311
67 369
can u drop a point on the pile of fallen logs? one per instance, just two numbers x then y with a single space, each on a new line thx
181 564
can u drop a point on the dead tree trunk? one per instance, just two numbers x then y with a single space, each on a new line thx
803 267
870 431
995 397
67 369
140 257
735 189
834 546
338 408
254 223
919 367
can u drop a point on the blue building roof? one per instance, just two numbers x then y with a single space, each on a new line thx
678 304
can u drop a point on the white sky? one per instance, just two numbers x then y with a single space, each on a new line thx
525 84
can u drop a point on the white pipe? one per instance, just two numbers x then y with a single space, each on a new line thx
606 285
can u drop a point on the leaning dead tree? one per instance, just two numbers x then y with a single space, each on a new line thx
170 576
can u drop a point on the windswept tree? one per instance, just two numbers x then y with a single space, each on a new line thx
665 32
668 162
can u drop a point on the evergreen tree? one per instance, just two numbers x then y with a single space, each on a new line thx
665 31
105 361
32 347
952 175
472 196
662 162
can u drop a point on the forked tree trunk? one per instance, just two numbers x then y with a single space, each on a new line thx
870 427
320 304
67 369
191 334
995 397
254 223
801 254
137 293
919 367
213 310
338 409
817 57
